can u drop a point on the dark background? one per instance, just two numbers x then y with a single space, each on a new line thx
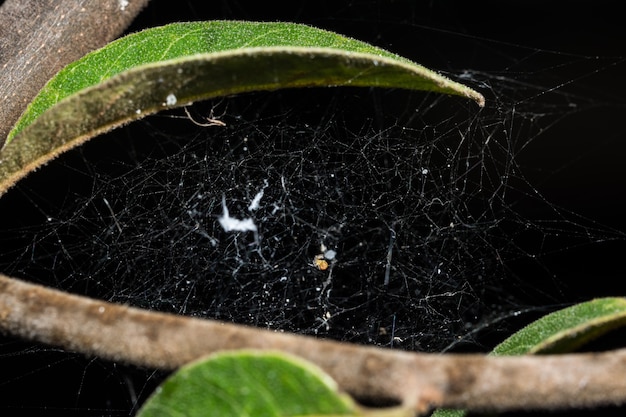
572 48
548 53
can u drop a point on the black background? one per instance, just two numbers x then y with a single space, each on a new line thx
577 164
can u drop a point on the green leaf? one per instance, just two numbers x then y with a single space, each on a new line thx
248 383
177 64
560 332
568 329
201 41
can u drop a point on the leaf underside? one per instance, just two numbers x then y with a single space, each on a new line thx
177 64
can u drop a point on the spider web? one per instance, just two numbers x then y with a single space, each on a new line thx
228 222
405 220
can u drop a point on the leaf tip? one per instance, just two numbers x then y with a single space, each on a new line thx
480 100
476 96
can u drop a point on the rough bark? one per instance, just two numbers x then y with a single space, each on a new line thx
39 37
417 380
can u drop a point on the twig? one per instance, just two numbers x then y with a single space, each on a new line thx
39 37
419 380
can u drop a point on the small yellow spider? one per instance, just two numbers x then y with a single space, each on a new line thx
320 262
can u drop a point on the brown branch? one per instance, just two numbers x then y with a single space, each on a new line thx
39 37
418 380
